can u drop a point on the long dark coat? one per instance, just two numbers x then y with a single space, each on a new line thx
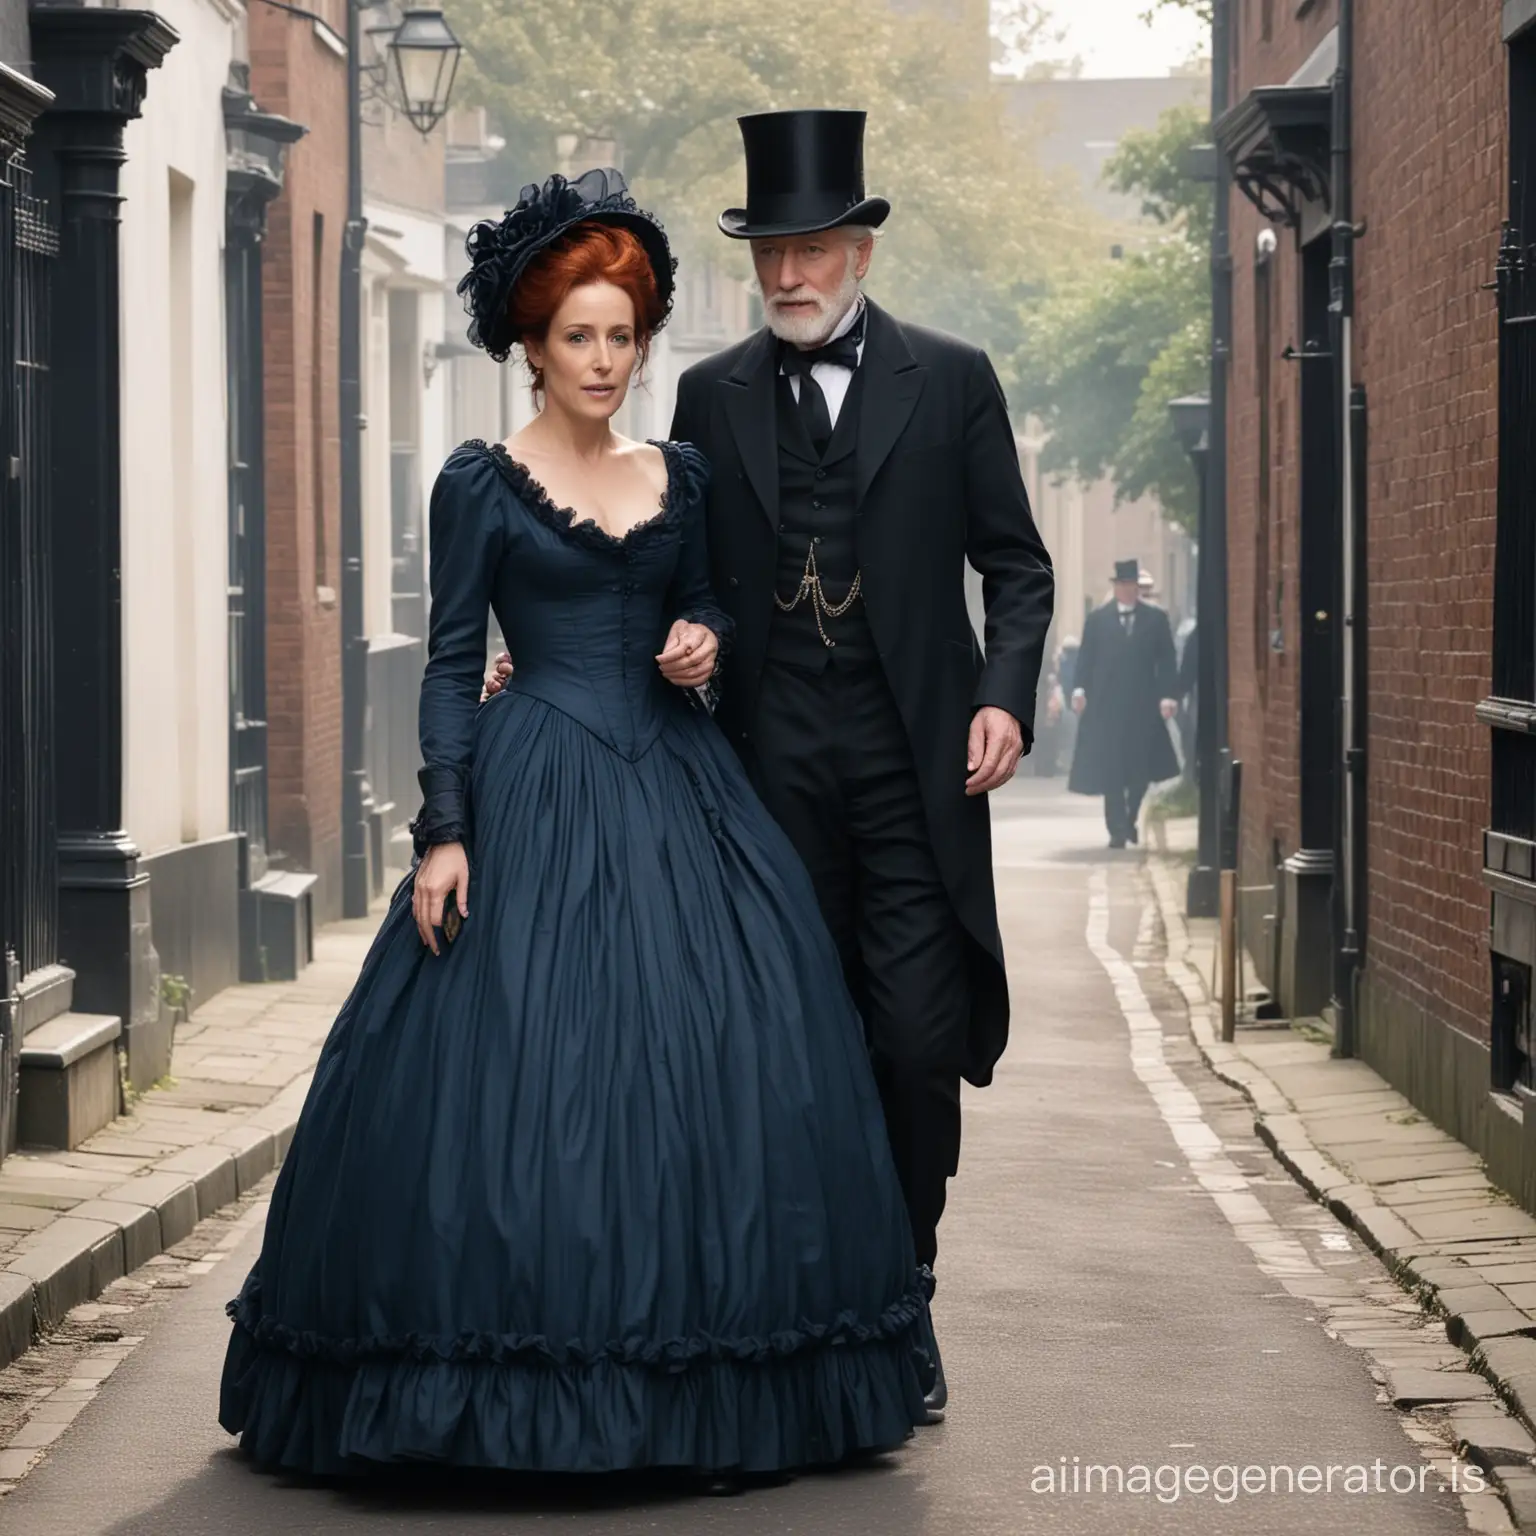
938 484
1122 737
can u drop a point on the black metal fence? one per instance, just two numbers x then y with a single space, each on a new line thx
28 857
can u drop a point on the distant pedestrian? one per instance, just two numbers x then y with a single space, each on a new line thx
1124 688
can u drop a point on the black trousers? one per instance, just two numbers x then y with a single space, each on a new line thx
832 763
1122 808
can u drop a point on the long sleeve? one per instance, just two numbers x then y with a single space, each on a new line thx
689 595
1087 657
467 532
1017 583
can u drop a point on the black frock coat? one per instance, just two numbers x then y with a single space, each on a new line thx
1122 738
938 484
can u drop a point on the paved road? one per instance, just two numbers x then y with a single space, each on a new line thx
1097 1302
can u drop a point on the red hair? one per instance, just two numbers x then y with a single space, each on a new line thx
589 253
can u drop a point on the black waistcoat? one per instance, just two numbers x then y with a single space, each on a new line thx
818 502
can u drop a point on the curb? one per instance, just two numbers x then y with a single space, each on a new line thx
75 1258
1499 1341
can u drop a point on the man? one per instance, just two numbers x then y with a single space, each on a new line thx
858 462
1124 688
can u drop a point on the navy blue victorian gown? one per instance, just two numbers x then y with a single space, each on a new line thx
607 1184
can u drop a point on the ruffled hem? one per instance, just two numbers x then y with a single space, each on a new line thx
813 1407
901 1318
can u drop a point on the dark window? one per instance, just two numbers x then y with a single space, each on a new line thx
1514 604
1510 844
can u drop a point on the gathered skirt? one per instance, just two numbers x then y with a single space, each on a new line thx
606 1185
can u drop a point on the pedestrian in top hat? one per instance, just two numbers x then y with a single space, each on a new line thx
858 462
1124 688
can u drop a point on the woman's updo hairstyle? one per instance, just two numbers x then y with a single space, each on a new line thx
565 230
587 253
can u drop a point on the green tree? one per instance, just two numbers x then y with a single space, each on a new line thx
976 221
1201 8
1110 347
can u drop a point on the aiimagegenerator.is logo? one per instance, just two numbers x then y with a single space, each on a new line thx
1227 1482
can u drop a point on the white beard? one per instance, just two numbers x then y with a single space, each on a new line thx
813 329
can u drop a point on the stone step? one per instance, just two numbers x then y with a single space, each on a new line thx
277 926
69 1086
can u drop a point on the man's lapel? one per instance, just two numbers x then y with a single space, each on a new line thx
753 418
892 382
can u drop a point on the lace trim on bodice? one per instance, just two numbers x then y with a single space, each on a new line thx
585 531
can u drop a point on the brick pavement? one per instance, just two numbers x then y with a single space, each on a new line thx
1417 1197
73 1222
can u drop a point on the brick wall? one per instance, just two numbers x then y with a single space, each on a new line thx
1430 137
295 73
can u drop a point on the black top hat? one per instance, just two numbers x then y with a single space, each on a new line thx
1127 570
805 173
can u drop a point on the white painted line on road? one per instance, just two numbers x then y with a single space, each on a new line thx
1275 1252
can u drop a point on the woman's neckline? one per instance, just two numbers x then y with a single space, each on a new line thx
568 518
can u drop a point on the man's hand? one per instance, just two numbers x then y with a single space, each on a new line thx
689 655
443 871
495 679
1079 701
1170 708
996 745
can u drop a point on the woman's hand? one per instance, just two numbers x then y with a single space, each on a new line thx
496 680
690 653
444 870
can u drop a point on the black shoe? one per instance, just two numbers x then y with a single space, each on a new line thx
937 1398
731 1485
936 1392
1117 842
1134 836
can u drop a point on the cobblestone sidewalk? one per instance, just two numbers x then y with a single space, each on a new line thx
72 1223
1417 1197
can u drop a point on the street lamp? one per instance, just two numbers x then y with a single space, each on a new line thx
1191 420
426 55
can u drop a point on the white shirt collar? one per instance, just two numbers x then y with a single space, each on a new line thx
842 328
846 324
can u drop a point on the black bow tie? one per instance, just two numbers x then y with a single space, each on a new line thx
842 350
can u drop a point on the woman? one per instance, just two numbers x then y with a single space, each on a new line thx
592 1174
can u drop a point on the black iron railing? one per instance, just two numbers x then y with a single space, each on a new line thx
28 835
